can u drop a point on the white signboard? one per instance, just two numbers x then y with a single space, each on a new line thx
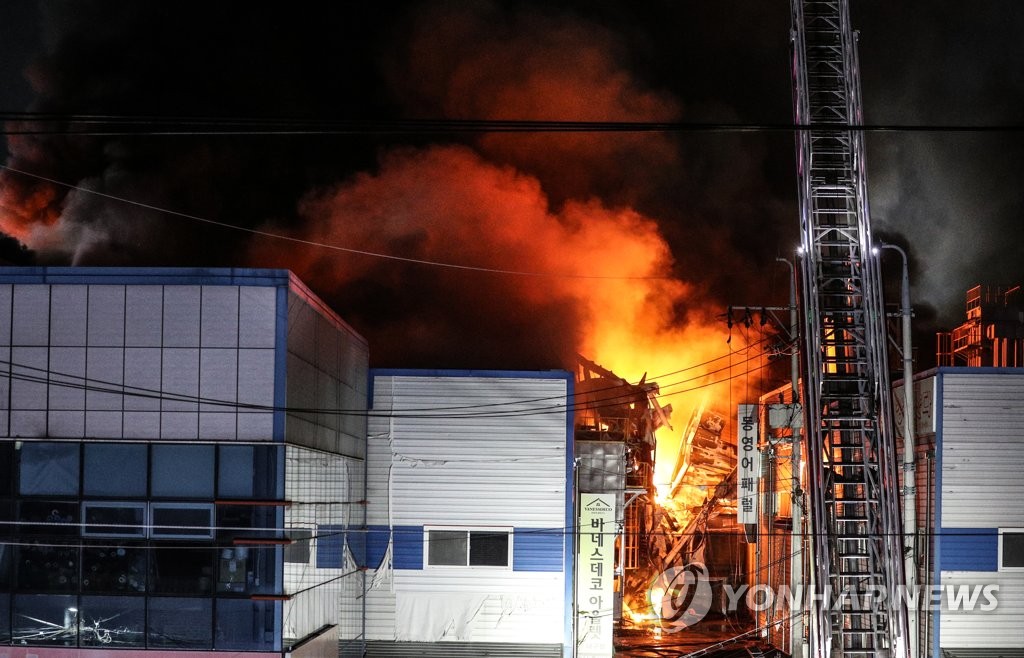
924 407
595 593
748 470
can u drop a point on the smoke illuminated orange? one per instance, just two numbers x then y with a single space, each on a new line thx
610 265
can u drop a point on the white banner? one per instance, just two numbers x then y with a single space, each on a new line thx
595 580
748 469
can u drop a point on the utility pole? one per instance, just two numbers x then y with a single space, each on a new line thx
789 416
796 576
909 459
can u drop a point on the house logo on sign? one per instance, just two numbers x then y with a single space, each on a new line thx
598 505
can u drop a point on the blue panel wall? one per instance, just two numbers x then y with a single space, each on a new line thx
533 549
407 554
408 546
330 543
536 549
969 549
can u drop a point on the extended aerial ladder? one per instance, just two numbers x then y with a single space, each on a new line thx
852 478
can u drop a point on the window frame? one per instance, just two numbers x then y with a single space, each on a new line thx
469 530
999 564
165 504
143 532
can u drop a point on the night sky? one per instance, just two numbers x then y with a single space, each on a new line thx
714 208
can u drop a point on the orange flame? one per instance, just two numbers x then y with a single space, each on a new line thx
610 267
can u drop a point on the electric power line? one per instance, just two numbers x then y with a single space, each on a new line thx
80 382
112 125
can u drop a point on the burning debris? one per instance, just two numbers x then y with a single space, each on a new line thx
664 525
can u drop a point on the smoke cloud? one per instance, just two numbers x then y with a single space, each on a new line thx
954 198
629 245
594 278
475 62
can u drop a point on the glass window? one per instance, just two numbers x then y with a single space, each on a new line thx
48 468
6 566
298 551
6 518
47 568
6 468
233 569
1011 549
48 517
446 547
181 520
488 549
115 469
254 521
182 471
113 569
111 621
113 519
181 570
249 472
469 547
5 618
235 473
245 625
180 623
248 570
45 619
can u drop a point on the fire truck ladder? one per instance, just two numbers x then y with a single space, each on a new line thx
855 513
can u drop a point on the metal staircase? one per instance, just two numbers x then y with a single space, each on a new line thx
855 512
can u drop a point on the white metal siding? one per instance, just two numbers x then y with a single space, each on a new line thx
982 443
495 468
476 470
381 622
982 449
1002 627
507 606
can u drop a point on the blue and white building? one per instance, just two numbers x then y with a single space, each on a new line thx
970 484
470 509
182 458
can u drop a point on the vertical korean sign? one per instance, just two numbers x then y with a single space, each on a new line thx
595 578
748 464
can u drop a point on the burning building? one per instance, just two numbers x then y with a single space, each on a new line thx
661 525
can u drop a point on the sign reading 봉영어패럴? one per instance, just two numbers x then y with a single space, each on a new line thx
748 463
595 594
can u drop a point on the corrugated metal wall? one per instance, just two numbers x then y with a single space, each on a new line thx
486 459
982 449
981 446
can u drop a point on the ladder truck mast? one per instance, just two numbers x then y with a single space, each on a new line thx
856 534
